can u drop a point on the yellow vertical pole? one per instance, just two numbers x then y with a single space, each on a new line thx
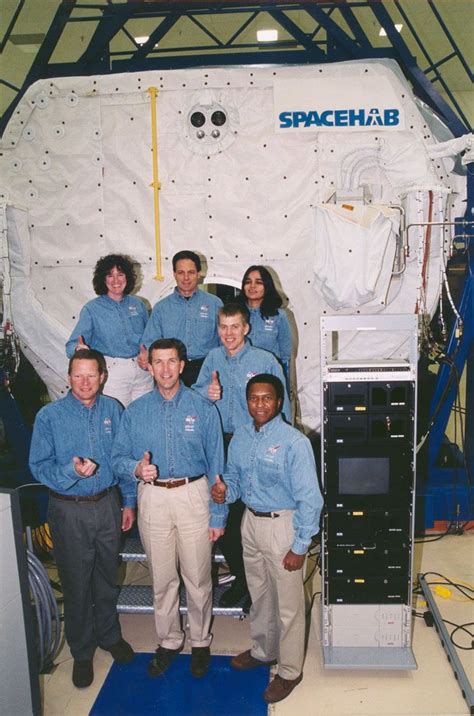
153 92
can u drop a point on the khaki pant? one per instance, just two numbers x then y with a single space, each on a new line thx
277 616
174 528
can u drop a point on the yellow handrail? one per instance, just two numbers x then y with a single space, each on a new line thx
153 91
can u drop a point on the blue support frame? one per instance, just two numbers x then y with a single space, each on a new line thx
433 66
344 47
303 48
108 26
11 25
422 86
446 31
45 52
448 492
301 37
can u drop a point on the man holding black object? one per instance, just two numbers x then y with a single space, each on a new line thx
70 453
271 468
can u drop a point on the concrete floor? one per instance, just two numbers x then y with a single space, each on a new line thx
431 690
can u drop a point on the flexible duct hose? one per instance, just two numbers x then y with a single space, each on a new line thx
48 621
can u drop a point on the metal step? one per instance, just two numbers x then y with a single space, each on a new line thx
132 551
138 599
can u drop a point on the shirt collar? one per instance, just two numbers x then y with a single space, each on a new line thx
269 427
179 296
76 404
175 400
110 301
238 356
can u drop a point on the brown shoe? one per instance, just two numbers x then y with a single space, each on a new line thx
279 689
245 661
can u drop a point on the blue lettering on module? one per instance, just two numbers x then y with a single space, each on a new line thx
351 117
356 118
326 118
341 117
313 119
285 120
391 117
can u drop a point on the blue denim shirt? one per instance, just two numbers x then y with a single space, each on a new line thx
193 320
274 469
183 435
272 334
234 373
112 327
66 429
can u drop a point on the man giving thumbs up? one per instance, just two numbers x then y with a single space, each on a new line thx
171 440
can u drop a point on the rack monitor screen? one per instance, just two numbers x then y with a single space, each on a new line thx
364 475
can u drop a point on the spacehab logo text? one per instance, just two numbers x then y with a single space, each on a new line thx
340 118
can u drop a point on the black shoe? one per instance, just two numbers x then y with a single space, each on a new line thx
246 604
122 652
82 674
234 594
162 660
200 658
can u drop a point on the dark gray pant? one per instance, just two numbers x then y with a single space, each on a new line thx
86 537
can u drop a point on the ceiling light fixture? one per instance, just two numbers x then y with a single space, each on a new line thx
383 32
141 39
267 35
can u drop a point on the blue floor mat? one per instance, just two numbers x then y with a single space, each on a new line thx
129 691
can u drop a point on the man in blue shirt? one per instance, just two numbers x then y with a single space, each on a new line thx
223 378
271 468
171 441
188 314
71 454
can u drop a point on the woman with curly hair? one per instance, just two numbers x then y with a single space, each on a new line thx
113 324
270 329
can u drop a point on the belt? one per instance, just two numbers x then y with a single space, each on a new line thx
263 514
81 498
175 483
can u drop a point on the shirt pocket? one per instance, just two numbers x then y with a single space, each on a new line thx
205 324
189 447
137 323
270 473
106 439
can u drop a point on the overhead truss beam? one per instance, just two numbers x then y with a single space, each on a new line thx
338 35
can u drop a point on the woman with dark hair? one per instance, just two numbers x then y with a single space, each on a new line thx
270 329
113 324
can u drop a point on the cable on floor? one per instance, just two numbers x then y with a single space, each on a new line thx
48 620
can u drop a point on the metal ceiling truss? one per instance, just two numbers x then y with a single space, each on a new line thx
327 41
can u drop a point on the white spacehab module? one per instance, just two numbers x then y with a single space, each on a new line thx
334 176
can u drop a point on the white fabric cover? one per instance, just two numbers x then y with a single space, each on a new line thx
76 170
355 248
